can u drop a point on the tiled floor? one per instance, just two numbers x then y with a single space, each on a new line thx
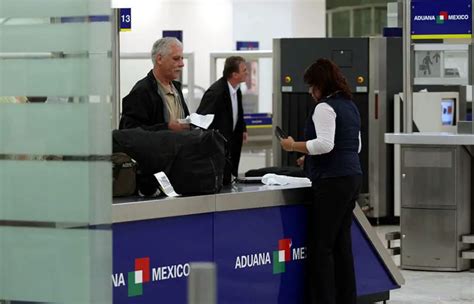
423 287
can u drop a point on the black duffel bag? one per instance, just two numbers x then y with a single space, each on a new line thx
198 167
193 160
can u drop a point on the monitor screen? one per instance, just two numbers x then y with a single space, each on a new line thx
447 111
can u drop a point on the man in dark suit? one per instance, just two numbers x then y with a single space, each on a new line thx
156 101
224 100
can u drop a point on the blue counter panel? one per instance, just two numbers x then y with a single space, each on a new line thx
246 265
158 253
260 256
249 270
371 274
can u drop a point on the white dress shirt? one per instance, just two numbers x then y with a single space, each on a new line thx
324 119
233 98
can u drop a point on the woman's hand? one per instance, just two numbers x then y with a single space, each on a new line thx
287 144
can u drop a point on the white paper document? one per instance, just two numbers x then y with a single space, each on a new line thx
165 184
201 121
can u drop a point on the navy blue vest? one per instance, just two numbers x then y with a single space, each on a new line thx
343 160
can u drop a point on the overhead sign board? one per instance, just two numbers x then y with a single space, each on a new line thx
175 34
125 19
247 45
441 19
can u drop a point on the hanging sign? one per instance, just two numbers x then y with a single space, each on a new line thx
441 19
125 19
247 45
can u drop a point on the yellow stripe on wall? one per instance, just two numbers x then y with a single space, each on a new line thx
462 36
259 126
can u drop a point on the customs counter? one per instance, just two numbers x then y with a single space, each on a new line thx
255 234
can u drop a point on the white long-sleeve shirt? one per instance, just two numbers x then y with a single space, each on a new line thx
324 119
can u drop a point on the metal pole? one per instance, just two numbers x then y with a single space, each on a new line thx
202 283
372 21
407 71
329 29
351 22
191 98
213 73
471 79
115 68
277 99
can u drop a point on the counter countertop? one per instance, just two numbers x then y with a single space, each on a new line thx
235 197
429 138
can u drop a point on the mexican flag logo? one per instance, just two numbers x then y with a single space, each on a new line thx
138 277
281 256
442 17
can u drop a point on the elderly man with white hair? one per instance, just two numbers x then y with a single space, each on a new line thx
156 101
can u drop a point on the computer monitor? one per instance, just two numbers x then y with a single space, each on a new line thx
448 108
435 111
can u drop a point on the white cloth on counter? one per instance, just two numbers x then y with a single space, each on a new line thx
274 179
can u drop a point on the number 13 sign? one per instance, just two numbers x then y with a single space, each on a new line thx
125 19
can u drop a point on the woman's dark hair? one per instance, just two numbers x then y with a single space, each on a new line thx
326 76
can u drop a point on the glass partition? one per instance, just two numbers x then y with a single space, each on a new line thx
55 146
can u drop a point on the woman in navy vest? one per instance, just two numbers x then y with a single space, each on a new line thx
332 145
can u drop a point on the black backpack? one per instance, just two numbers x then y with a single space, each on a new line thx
193 160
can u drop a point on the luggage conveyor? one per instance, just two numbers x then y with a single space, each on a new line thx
240 229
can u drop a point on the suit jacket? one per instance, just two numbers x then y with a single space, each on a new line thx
217 101
143 106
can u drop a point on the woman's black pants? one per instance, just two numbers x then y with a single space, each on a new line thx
332 265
